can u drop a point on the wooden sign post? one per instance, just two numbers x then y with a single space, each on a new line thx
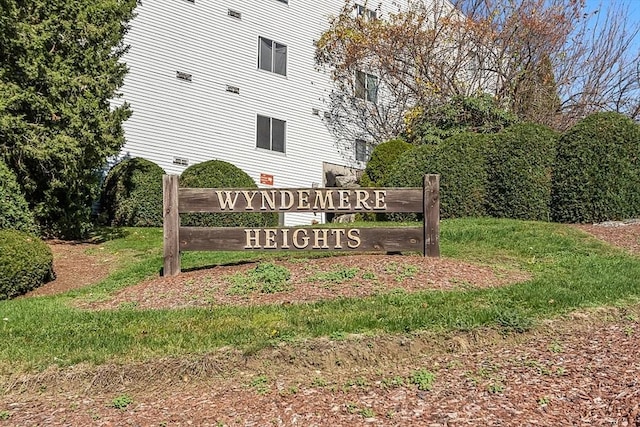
335 200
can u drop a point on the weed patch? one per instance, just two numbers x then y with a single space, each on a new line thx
401 271
121 402
495 388
338 275
260 384
423 379
396 381
514 321
367 413
267 277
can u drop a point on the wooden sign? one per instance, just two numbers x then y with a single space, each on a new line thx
337 200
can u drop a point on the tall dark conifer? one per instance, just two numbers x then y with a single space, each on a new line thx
59 69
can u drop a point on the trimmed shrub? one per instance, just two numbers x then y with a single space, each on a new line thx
221 174
519 172
460 161
409 171
382 158
597 170
26 263
132 194
411 166
14 211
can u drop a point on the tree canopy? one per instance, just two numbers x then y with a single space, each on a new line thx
550 62
59 70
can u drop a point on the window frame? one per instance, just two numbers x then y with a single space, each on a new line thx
362 89
282 129
274 46
365 13
365 150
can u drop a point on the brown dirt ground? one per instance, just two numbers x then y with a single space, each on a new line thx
583 369
76 265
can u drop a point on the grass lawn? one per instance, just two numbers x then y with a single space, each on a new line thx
570 270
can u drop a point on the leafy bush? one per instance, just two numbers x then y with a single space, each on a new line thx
478 114
519 171
14 211
26 263
221 174
597 170
132 194
382 158
460 161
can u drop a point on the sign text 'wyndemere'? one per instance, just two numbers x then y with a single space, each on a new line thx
300 200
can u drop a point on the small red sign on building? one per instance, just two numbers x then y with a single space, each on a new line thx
266 179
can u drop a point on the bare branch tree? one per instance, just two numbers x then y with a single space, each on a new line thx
548 61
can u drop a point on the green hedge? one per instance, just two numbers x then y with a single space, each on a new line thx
382 158
463 175
132 194
460 161
597 170
14 211
519 171
26 263
220 174
409 171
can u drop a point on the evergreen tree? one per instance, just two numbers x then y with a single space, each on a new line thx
59 69
536 99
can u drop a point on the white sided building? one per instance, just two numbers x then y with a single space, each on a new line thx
235 80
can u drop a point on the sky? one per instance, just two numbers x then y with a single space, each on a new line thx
634 11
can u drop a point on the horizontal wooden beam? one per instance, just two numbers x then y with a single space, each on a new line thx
389 239
332 200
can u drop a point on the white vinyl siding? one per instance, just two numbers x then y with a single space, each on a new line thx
200 120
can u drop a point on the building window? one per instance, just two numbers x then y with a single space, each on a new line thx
366 13
366 86
270 133
363 150
272 56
